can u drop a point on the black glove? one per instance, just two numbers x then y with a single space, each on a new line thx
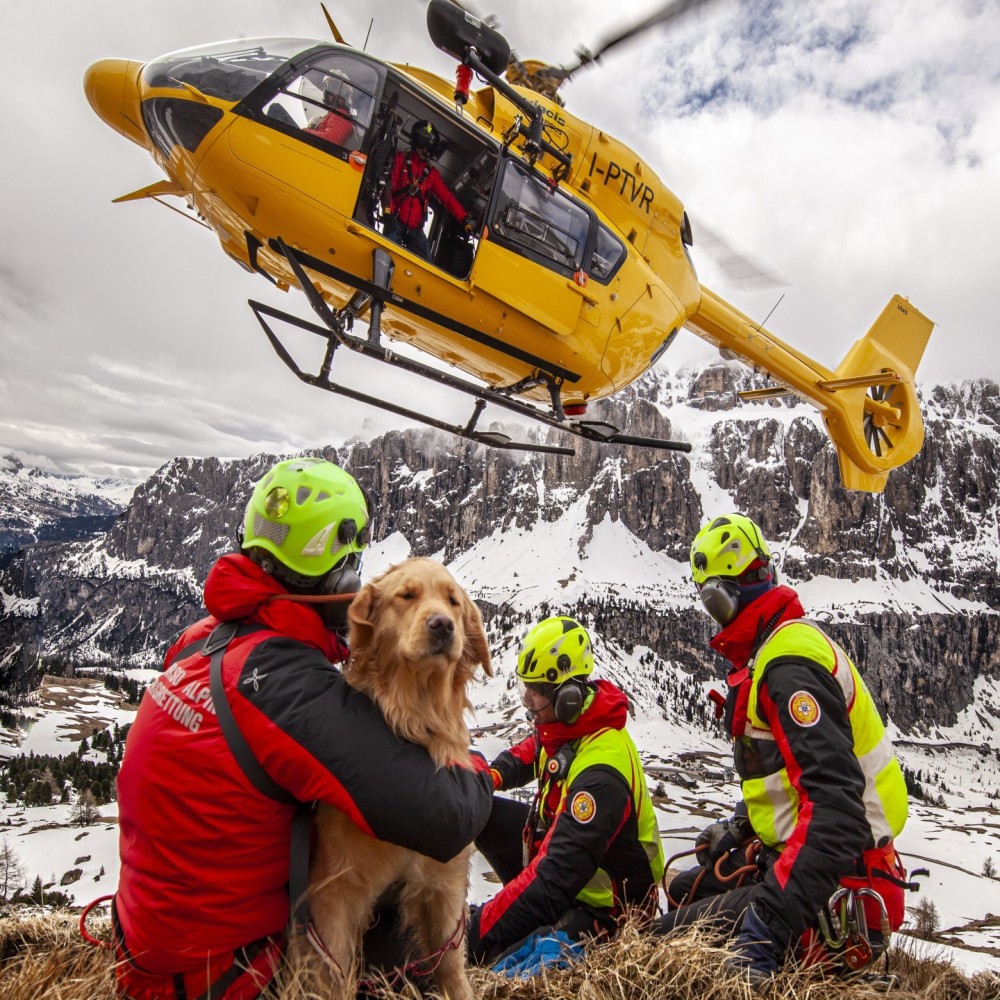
719 839
478 952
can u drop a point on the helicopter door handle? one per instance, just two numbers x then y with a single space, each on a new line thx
354 229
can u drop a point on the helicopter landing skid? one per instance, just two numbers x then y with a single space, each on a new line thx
373 296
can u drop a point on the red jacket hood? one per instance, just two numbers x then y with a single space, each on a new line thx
237 588
608 710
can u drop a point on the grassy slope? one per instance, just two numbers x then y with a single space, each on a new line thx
45 957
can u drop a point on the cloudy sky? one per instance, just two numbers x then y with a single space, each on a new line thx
852 147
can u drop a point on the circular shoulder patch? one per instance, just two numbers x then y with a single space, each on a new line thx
804 709
583 807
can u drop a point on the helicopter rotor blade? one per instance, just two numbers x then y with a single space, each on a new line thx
670 12
749 273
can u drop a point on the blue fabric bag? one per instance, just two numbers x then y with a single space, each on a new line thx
540 950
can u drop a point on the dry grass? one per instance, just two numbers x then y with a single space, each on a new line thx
44 957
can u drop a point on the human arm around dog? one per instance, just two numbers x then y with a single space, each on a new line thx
322 740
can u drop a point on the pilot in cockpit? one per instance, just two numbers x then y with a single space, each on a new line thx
338 124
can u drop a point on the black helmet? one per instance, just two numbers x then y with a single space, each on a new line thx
424 135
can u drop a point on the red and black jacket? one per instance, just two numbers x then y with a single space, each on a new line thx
565 852
204 853
412 182
832 831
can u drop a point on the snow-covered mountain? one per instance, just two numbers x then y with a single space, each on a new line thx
907 580
44 506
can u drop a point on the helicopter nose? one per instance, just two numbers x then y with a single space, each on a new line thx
112 87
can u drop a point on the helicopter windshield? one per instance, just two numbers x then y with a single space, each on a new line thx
226 70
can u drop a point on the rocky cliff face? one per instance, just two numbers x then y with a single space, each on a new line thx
922 615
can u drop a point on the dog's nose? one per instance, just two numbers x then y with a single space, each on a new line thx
441 629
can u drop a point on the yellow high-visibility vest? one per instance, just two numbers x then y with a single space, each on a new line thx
614 748
772 801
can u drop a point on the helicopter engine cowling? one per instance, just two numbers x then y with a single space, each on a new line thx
454 30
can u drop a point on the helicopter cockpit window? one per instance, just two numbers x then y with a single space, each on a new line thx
226 70
608 253
333 100
532 218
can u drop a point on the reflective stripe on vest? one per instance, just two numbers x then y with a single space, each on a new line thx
614 748
772 801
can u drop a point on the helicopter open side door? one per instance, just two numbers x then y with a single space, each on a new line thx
536 239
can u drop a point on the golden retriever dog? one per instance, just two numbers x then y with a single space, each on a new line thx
416 638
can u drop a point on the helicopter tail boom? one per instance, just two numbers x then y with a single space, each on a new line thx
876 381
869 403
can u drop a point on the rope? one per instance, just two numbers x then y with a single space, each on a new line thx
421 967
314 598
83 923
739 875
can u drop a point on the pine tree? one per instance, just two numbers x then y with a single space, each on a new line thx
37 893
85 811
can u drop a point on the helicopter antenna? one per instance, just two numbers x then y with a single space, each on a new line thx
364 48
768 316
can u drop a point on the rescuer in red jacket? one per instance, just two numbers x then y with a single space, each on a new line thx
337 126
822 790
203 897
412 182
587 851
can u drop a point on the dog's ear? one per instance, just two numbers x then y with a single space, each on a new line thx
477 649
361 617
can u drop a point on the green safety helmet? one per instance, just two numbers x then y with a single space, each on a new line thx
554 651
731 565
310 515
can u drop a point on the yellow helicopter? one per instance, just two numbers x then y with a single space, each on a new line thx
565 279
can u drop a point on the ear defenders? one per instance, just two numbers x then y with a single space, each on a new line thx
724 598
720 598
342 579
567 702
